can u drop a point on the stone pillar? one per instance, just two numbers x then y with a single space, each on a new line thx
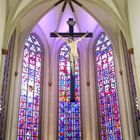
3 92
85 93
4 53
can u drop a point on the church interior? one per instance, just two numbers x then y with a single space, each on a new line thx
54 88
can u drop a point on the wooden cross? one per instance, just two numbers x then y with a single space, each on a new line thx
71 33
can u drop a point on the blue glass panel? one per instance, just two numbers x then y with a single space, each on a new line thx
4 94
69 112
107 90
28 124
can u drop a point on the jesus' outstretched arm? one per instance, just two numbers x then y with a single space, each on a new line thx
82 37
61 37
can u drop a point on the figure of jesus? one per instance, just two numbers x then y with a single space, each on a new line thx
73 56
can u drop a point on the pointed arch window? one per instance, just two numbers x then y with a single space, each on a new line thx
5 88
109 113
69 125
30 93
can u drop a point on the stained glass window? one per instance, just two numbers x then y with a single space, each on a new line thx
69 112
28 123
109 113
133 90
4 94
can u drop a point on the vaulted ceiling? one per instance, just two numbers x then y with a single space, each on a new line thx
56 19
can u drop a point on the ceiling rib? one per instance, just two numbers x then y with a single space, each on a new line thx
78 3
64 6
71 6
70 3
57 3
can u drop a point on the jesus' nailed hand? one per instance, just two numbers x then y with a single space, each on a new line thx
73 56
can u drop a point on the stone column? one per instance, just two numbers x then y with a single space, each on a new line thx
85 94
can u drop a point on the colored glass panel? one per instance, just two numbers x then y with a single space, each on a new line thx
133 87
69 112
107 90
28 123
4 94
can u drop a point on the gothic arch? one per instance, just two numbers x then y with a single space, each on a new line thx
32 6
122 84
20 19
15 90
36 7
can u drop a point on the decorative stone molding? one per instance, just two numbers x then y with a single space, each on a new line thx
4 51
131 51
88 83
50 84
16 73
121 72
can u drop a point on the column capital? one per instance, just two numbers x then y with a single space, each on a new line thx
131 51
50 84
16 73
4 51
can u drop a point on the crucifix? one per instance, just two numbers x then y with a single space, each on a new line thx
73 54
